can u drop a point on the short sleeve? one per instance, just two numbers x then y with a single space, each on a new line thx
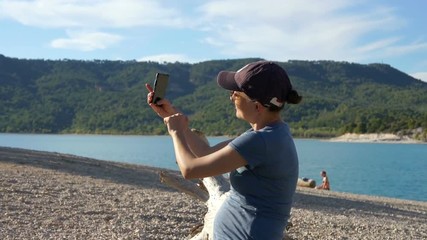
251 146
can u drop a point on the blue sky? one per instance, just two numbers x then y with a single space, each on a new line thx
364 31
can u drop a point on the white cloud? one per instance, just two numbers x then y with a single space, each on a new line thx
356 31
420 75
294 29
86 41
90 14
161 58
397 50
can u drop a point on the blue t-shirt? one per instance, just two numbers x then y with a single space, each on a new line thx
261 196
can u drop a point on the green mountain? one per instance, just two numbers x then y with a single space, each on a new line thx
71 96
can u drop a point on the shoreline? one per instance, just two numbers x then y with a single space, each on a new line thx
46 195
375 138
348 137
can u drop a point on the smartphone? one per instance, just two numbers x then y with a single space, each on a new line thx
160 85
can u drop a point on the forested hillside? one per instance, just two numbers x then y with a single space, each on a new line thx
71 96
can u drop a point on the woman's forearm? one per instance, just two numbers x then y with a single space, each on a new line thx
199 144
184 156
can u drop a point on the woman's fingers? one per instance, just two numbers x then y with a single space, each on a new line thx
171 117
149 88
176 122
163 107
150 93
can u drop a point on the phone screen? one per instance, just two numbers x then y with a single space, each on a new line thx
160 85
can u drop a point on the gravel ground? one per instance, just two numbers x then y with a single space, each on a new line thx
56 196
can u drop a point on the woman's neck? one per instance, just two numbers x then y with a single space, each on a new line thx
265 120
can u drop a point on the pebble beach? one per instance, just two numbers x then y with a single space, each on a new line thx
47 195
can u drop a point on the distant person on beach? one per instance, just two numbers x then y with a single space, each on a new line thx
325 181
262 162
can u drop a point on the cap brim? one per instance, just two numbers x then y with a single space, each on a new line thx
226 80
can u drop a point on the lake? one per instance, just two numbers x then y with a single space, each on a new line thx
380 169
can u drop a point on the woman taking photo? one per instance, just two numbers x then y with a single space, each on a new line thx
262 162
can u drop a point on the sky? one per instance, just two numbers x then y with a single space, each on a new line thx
365 31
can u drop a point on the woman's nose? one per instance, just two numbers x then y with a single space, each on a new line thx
231 95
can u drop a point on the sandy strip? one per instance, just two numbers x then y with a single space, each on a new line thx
374 138
57 196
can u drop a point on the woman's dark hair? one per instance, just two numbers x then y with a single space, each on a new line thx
293 98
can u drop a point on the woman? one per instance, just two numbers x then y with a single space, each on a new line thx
262 162
325 181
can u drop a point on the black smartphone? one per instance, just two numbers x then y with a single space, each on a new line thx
160 85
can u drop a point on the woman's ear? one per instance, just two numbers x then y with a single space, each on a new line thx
257 107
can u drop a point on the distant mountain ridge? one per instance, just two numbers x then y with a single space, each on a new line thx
102 96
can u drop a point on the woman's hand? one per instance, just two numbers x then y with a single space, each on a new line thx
176 123
163 108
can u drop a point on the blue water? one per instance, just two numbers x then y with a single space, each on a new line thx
390 170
